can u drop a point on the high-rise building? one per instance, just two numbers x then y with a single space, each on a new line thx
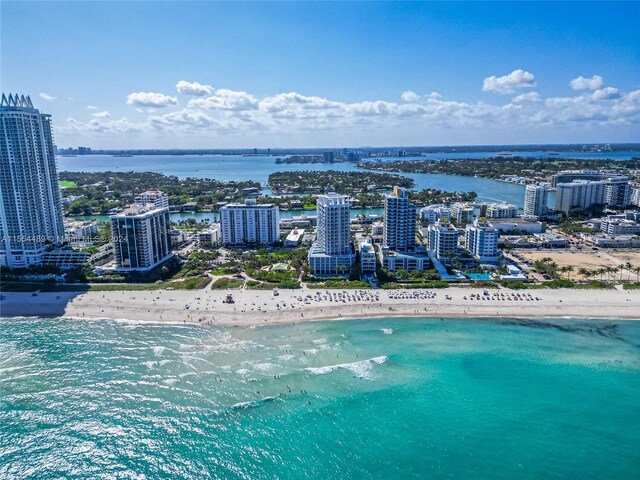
250 223
617 192
481 240
153 197
141 238
443 240
332 252
30 205
399 221
535 199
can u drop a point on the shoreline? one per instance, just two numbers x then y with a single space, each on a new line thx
261 307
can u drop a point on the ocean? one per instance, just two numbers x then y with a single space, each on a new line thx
379 398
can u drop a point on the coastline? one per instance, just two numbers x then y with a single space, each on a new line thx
261 307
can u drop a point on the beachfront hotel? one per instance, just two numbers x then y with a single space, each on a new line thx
443 240
481 240
249 223
332 253
399 221
141 238
30 205
535 199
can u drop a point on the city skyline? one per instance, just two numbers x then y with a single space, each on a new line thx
202 75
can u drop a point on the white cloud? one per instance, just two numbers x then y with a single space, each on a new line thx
225 99
290 117
409 96
92 107
527 97
104 114
46 96
582 83
606 93
150 99
509 83
193 88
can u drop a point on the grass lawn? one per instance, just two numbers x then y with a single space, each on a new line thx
193 283
67 184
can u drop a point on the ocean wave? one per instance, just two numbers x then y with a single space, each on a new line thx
387 331
361 369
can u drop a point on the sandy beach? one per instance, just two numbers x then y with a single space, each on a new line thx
256 307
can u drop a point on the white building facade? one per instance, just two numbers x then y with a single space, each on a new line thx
154 197
443 240
535 199
250 223
481 240
30 205
332 253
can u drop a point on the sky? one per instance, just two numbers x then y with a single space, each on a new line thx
323 74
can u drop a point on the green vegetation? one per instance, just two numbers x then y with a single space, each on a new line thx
67 184
343 182
102 191
632 286
571 227
227 283
339 283
500 166
194 283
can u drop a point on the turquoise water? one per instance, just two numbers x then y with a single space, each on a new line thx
377 398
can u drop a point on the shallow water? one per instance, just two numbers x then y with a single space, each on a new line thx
376 398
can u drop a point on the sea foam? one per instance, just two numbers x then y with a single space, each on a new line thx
361 369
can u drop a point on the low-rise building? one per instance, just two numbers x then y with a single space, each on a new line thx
294 238
392 260
367 256
518 225
209 237
619 225
501 210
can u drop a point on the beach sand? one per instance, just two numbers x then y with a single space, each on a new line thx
258 307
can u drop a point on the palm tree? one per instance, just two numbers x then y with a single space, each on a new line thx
637 272
629 267
585 272
569 269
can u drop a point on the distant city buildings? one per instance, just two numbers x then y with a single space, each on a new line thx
536 199
141 238
332 253
399 221
30 205
250 223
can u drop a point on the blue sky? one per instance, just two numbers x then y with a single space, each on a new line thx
199 74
